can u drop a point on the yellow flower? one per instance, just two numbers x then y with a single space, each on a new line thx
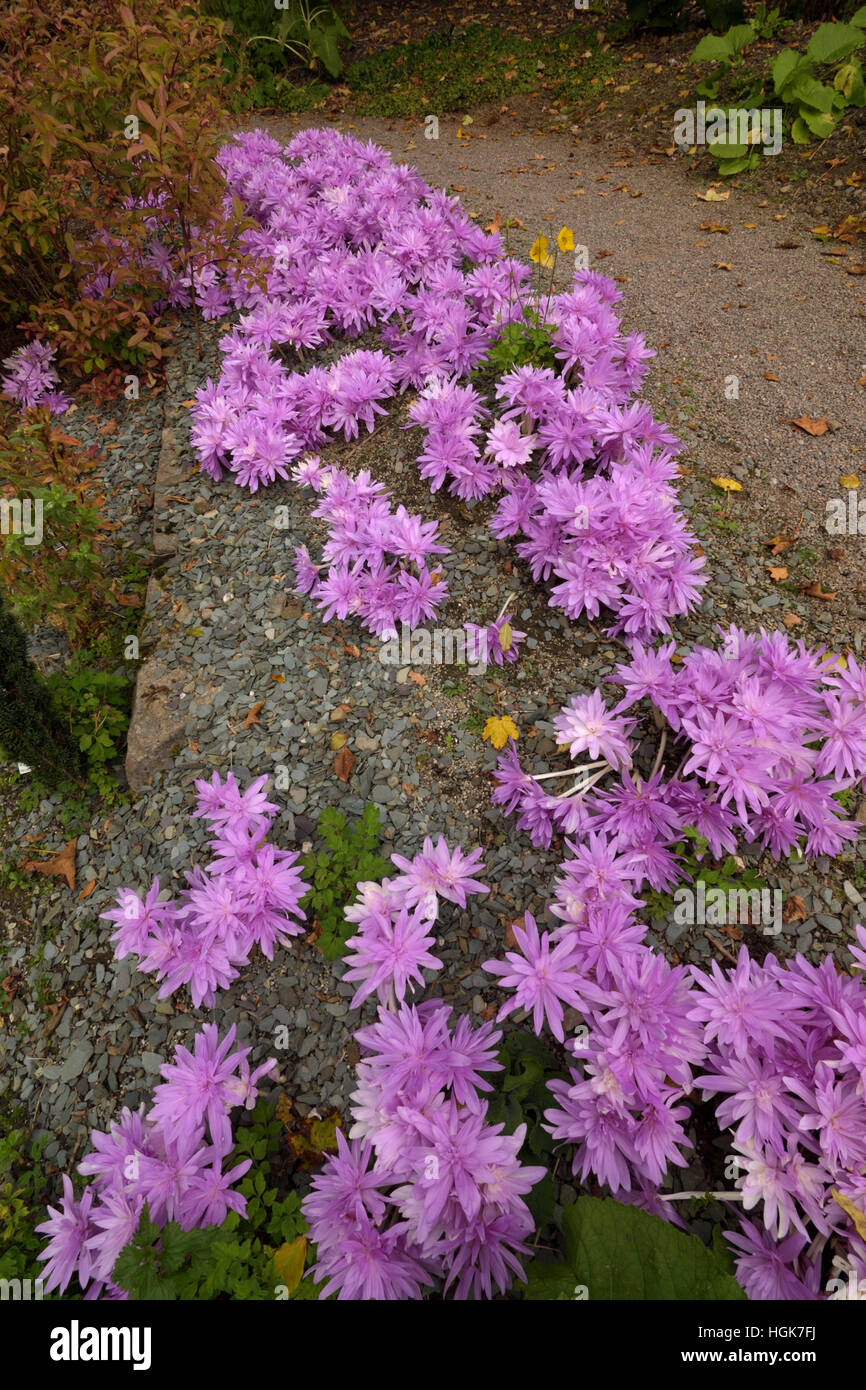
565 240
539 250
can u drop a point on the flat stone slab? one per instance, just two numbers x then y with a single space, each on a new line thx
158 721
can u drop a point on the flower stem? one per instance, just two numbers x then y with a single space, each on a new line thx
566 771
716 1196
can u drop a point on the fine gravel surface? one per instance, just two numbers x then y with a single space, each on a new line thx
221 610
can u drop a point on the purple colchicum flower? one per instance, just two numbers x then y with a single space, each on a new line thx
246 898
31 378
170 1158
453 1180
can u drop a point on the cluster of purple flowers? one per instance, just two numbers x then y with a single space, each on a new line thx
771 733
245 897
170 1157
350 242
427 1191
768 733
782 1045
31 378
612 536
394 919
369 552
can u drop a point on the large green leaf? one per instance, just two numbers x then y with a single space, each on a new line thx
727 149
712 48
740 36
783 67
820 123
624 1254
831 42
860 17
805 89
324 44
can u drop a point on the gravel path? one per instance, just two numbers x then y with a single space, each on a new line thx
221 618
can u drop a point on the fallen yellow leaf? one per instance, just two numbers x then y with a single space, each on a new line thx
849 481
498 731
727 484
856 1215
714 195
289 1262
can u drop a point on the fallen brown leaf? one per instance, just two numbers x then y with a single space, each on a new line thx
417 678
794 909
88 889
785 539
253 715
61 865
777 572
791 620
344 764
814 590
810 426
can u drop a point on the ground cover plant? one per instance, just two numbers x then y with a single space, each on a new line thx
756 739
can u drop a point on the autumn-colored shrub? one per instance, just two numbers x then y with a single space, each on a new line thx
110 203
54 539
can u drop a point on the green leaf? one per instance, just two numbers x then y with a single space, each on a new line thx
551 1283
849 81
541 1200
805 89
820 123
624 1254
859 18
740 36
728 149
783 67
324 45
831 42
712 49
